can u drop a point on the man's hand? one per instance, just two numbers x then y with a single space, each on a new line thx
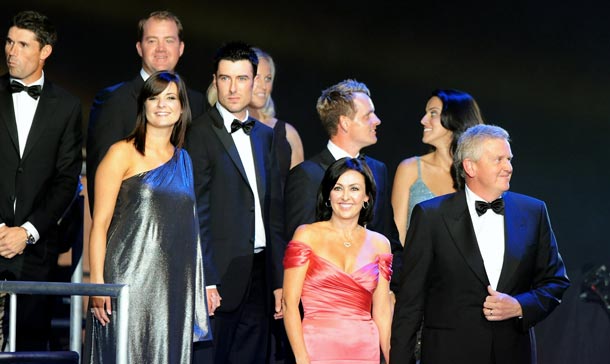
278 313
500 306
12 241
213 300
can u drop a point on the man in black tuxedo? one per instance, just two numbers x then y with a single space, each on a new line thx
238 203
481 266
348 116
114 109
40 155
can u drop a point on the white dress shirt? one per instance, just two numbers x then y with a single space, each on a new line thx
244 148
489 230
25 108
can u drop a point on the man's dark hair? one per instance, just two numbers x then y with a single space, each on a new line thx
236 51
37 23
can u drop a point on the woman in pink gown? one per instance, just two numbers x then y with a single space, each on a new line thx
340 271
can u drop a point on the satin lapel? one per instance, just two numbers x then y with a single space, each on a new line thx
258 154
377 175
137 84
43 116
227 142
324 159
514 224
7 112
459 224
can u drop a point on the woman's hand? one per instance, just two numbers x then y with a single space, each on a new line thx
101 308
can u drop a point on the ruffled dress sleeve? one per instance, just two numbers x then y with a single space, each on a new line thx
297 254
385 266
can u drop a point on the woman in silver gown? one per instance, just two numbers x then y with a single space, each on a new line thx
145 233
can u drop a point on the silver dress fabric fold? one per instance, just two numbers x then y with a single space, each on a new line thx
153 245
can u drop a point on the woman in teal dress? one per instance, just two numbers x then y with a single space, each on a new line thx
145 233
448 114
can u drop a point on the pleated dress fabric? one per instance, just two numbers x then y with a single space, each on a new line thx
337 323
153 245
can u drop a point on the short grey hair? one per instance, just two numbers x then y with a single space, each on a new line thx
469 146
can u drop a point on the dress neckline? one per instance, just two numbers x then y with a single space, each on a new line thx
335 266
144 173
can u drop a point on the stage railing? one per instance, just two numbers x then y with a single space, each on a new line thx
120 291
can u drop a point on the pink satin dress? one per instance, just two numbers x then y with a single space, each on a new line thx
337 325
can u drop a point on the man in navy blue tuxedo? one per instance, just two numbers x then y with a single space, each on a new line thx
348 115
481 266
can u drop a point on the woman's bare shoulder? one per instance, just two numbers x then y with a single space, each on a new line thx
406 173
308 233
379 241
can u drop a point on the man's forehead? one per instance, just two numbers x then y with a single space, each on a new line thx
364 100
21 33
155 26
240 67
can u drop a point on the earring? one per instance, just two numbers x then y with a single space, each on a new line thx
365 205
327 203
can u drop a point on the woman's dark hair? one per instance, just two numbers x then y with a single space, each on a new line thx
154 85
332 175
460 112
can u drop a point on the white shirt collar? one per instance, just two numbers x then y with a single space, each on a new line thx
39 81
144 75
337 152
228 117
471 198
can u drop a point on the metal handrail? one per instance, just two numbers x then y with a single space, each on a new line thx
120 291
76 308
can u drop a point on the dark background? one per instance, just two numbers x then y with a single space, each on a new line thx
537 69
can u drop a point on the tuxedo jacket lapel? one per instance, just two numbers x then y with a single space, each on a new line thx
258 154
324 159
46 104
136 84
514 224
459 225
227 142
7 112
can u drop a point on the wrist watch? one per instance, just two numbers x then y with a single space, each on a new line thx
31 239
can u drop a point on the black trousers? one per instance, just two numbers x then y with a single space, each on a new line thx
34 312
241 336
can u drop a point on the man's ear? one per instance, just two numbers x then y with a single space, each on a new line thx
344 122
45 52
469 167
139 48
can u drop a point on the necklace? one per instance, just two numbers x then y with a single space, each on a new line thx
348 237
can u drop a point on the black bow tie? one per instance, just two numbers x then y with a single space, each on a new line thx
33 91
496 205
246 125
